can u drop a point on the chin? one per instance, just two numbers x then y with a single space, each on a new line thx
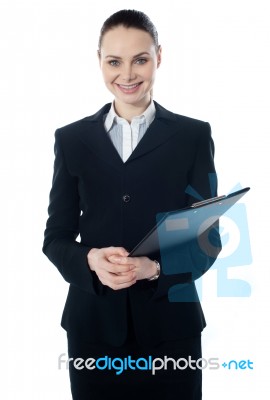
134 101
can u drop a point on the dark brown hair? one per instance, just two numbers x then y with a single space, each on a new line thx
129 19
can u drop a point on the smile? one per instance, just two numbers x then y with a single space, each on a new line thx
129 88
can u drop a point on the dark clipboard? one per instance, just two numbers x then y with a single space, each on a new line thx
180 226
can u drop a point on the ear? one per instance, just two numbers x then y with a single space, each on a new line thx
159 56
99 57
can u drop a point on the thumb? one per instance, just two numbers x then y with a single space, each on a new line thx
122 252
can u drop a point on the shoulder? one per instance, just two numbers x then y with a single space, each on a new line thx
77 127
188 125
163 113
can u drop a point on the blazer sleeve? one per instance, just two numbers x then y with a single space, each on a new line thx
189 262
62 228
204 251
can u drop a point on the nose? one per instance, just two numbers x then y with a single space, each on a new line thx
128 73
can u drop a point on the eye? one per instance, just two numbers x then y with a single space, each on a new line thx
114 63
141 61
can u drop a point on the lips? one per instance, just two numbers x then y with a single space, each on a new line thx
129 88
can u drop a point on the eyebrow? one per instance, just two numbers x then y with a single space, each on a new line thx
137 55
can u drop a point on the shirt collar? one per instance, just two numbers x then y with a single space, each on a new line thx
147 116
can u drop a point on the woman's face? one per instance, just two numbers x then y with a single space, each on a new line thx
128 61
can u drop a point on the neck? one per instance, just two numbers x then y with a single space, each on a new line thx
129 111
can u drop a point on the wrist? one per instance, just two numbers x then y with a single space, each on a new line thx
90 258
157 272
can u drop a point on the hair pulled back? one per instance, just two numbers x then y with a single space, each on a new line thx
129 19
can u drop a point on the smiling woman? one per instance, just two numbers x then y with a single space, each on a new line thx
129 59
113 172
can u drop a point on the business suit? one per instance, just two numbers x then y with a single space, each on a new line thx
111 203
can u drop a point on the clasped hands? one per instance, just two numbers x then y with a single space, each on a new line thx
118 271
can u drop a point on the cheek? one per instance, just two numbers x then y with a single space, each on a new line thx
108 75
150 73
150 76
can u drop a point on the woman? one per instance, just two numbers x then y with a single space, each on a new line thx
113 172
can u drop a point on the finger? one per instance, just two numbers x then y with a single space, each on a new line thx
122 285
107 266
124 273
122 278
119 260
121 251
118 269
136 260
116 278
116 282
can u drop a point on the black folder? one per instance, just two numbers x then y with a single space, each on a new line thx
177 227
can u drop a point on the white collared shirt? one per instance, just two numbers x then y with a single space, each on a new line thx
124 135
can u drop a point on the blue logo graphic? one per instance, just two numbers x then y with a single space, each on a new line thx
233 364
190 261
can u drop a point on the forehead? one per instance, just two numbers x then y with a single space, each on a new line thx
121 41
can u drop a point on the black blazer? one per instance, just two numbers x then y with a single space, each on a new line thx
88 199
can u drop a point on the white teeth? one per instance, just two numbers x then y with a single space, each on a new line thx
129 86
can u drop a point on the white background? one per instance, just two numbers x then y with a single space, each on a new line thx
216 68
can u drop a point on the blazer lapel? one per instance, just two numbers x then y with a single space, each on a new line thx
162 128
94 136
